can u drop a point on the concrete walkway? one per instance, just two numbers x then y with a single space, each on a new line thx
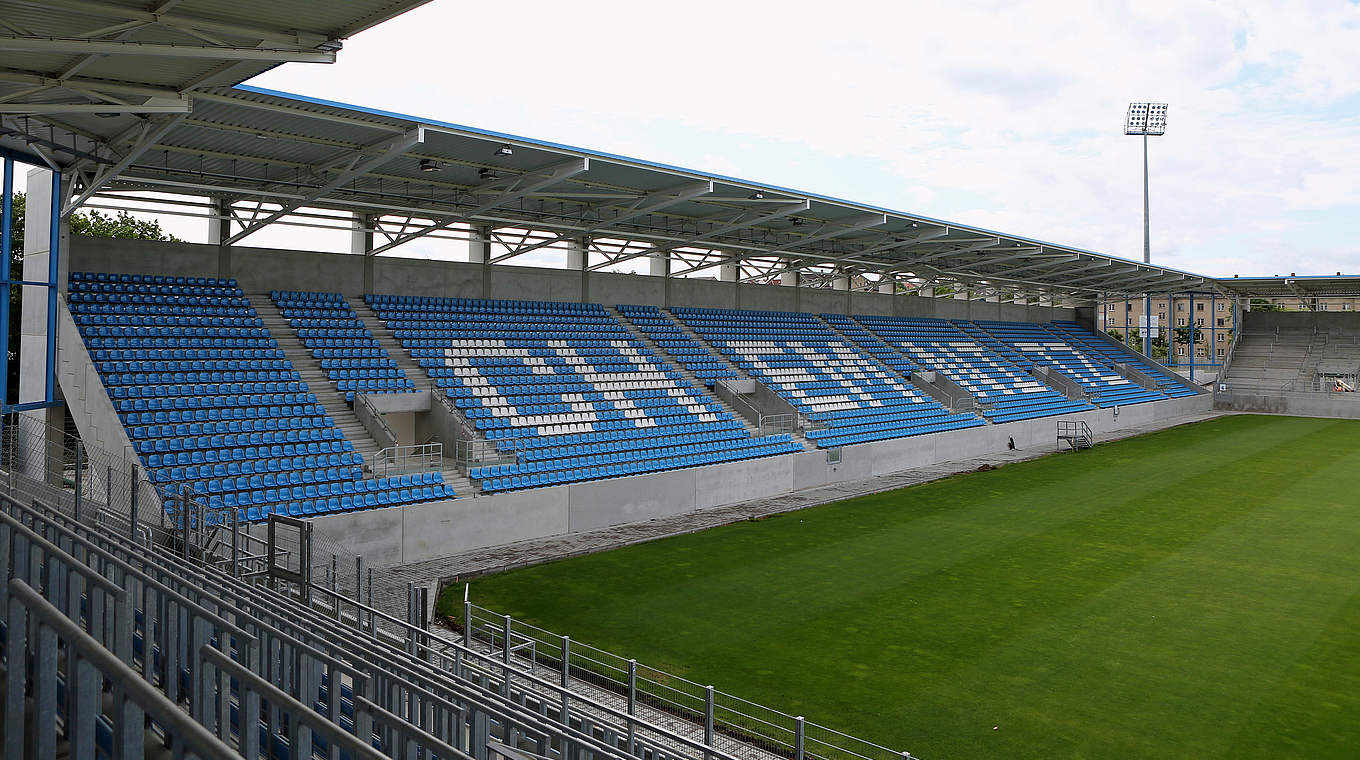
493 559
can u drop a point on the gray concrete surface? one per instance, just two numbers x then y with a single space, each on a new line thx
489 559
427 531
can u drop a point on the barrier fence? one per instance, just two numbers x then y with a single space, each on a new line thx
745 729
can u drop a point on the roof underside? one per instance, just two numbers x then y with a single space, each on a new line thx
1310 286
274 154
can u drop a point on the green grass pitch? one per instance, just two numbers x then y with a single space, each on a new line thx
1190 593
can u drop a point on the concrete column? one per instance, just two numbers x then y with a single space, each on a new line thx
36 447
659 265
578 260
842 282
728 272
577 252
789 279
926 292
479 252
361 242
219 229
888 287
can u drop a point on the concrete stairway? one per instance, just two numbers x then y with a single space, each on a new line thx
851 340
389 341
663 356
694 336
317 382
395 351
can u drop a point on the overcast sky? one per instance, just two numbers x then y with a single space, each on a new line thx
1000 115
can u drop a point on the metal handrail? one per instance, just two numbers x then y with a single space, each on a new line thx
420 457
714 709
129 686
362 399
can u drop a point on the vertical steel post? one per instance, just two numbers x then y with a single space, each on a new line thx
564 676
1147 254
132 502
79 464
467 622
53 272
632 704
6 231
1194 336
799 737
1213 329
708 716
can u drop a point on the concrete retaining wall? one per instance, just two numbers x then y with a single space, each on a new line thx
259 270
1338 405
428 531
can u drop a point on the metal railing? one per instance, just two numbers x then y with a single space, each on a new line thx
745 729
477 452
403 460
374 422
775 424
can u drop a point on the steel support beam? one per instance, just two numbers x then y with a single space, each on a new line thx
386 152
513 190
112 47
151 134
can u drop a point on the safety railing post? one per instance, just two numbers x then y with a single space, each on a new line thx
564 675
79 463
467 623
632 704
708 716
799 735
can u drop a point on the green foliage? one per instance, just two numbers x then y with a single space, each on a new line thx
93 224
1187 335
1190 593
121 225
1261 304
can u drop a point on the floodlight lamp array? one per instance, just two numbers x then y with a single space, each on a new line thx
1146 119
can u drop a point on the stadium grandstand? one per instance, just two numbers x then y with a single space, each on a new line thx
197 425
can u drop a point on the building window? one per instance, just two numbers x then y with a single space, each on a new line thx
1180 321
1345 307
1161 315
1180 350
1221 305
1221 321
1180 307
1199 321
1221 352
1322 307
1199 307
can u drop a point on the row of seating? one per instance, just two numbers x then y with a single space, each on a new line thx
355 361
822 375
545 375
1005 392
212 404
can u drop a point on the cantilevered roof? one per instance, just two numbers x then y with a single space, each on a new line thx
138 57
125 98
1294 286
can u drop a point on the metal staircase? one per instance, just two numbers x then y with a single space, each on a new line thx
1076 433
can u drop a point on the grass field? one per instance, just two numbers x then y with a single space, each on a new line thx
1190 593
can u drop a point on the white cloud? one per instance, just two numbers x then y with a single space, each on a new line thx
1000 115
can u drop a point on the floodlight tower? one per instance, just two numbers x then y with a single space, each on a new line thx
1148 120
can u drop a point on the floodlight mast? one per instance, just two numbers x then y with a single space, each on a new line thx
1148 120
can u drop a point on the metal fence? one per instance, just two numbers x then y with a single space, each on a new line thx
404 460
740 727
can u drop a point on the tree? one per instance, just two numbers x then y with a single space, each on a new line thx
123 225
1116 335
1261 304
93 224
1188 335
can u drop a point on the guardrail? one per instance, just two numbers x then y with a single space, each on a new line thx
747 730
402 460
374 421
477 452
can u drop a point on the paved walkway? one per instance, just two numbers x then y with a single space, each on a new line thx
493 559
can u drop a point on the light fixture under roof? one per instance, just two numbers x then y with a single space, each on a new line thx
505 150
1145 119
488 173
757 195
429 165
